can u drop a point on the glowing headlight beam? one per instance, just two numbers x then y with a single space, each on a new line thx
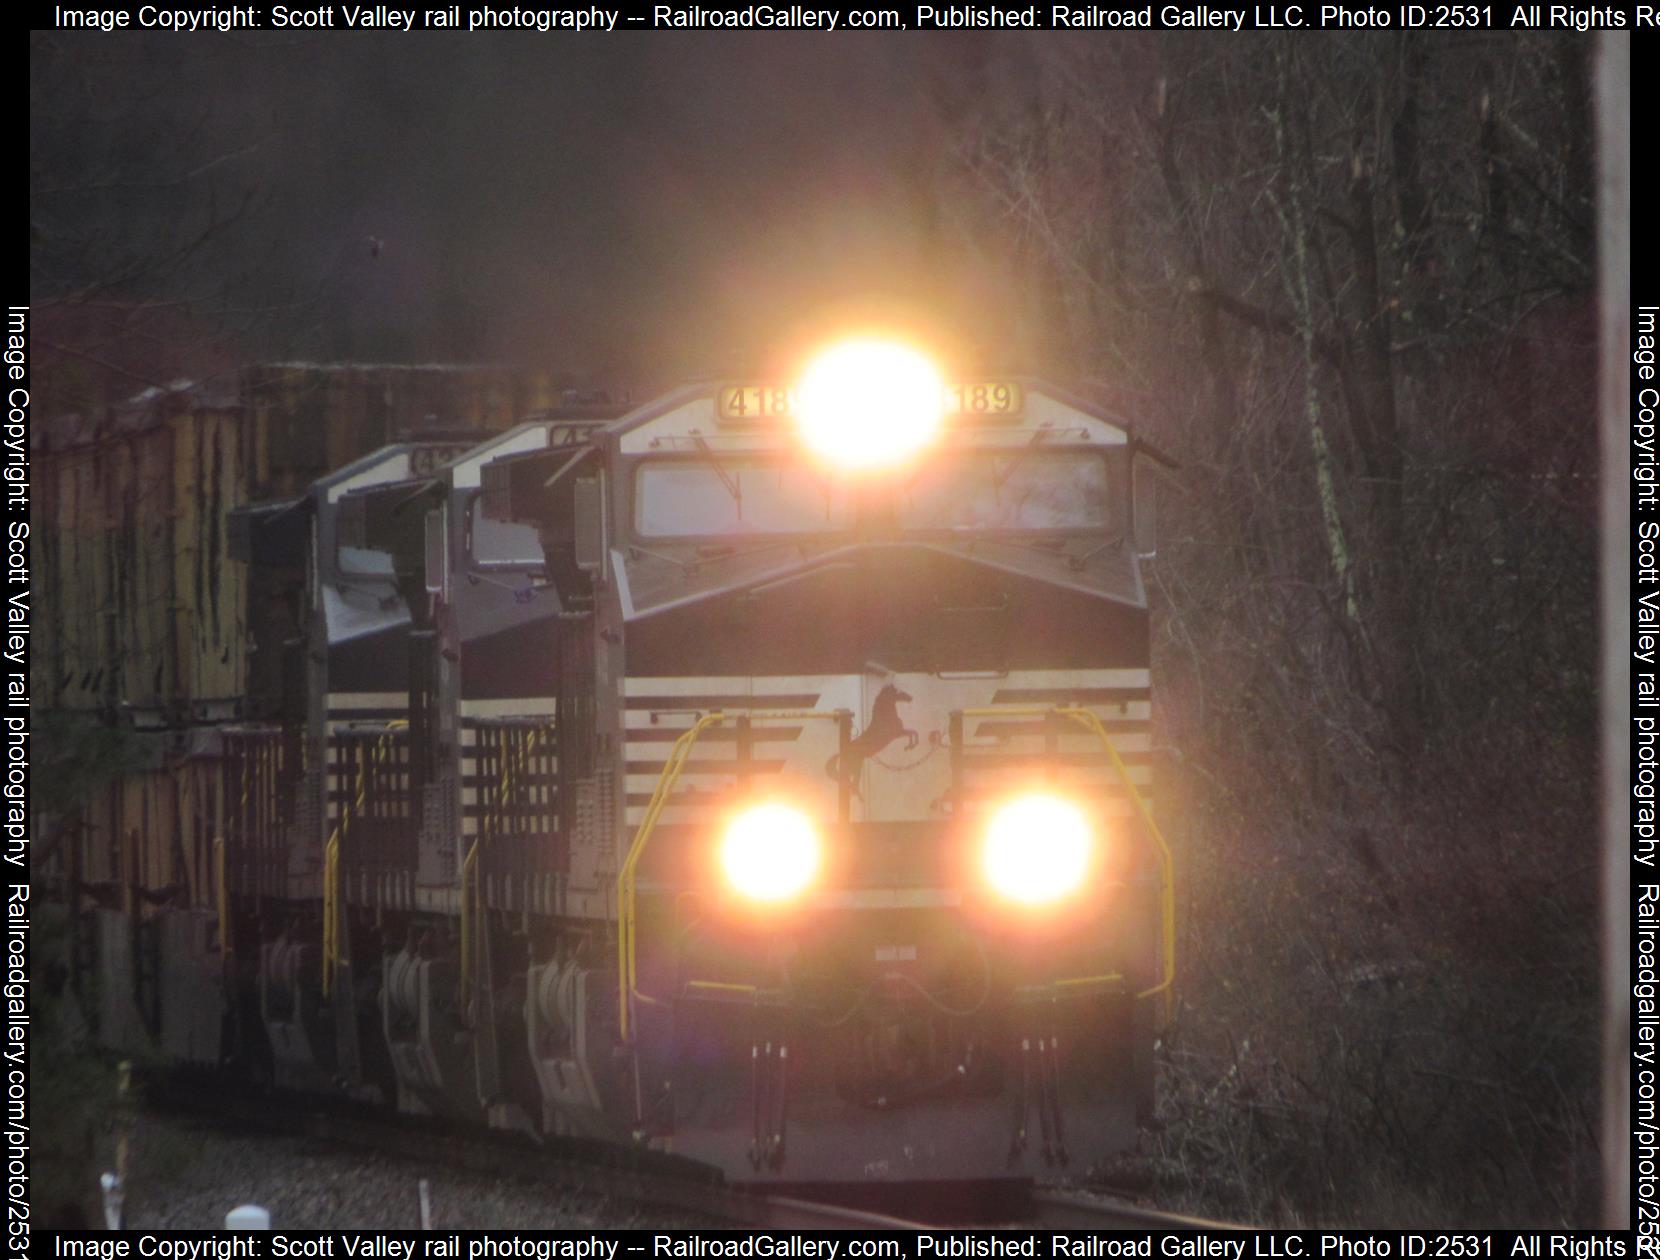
1037 849
770 852
869 404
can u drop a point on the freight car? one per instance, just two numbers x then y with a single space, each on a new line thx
762 774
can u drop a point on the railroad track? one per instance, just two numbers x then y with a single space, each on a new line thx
1067 1211
632 1175
579 1165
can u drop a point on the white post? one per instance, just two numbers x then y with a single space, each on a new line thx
248 1216
426 1203
1613 103
110 1184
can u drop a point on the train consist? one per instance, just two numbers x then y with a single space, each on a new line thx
761 773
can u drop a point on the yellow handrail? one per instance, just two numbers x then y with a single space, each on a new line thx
332 932
469 866
222 901
672 766
1167 867
469 879
222 892
627 976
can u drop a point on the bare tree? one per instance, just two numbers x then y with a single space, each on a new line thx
1348 281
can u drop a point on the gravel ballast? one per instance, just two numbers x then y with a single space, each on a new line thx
186 1175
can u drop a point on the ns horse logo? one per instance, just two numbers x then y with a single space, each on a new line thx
884 727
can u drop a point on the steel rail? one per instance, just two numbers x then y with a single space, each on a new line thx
586 1166
629 1175
1052 1209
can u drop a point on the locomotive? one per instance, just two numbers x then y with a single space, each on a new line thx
761 774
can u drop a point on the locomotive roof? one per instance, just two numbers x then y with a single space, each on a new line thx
1056 401
273 531
672 574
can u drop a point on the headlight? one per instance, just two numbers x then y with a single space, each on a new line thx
1037 849
770 852
869 404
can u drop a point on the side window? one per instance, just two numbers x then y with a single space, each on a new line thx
501 544
364 562
437 553
1144 479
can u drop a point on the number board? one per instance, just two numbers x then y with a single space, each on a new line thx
752 404
426 460
974 400
983 399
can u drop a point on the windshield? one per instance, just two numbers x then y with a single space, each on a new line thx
510 544
1019 490
733 498
363 562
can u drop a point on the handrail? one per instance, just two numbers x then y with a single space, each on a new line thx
332 933
469 865
222 895
469 889
1167 867
672 766
222 903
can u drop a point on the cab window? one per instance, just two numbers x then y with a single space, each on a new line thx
1015 490
501 544
730 497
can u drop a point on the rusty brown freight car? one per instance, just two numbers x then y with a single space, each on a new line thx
310 418
142 612
137 609
146 623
